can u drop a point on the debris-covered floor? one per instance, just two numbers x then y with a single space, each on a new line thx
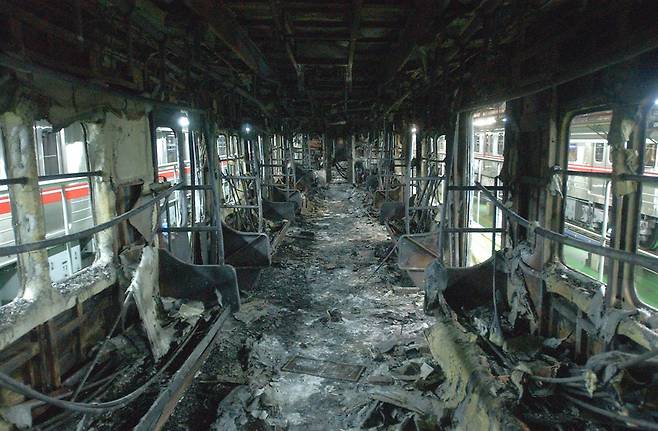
320 301
334 337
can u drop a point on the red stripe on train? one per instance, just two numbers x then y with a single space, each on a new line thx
171 173
50 195
587 168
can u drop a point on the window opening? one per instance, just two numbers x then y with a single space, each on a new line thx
588 198
168 169
645 281
487 124
67 203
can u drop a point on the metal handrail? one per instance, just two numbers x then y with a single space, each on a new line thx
46 243
621 255
23 180
609 175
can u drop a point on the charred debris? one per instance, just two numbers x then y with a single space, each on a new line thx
358 214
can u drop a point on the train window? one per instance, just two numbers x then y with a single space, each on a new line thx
167 149
645 280
67 203
650 154
196 176
441 144
48 151
233 152
501 143
573 152
222 150
169 169
485 168
588 198
598 151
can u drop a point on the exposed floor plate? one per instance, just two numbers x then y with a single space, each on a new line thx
326 369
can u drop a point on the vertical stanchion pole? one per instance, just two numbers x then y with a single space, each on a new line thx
450 155
168 218
215 186
407 188
255 152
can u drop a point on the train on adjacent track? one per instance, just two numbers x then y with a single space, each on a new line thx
67 204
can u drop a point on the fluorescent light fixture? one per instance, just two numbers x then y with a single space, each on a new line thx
183 121
484 121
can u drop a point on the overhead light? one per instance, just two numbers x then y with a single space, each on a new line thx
414 129
484 121
655 102
246 128
504 119
184 121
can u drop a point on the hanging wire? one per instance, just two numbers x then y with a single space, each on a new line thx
105 406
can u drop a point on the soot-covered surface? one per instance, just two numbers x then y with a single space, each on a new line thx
317 301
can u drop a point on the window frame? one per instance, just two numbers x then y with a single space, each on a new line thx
484 158
67 187
599 149
564 161
645 107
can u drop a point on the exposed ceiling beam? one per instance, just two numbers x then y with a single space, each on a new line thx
322 61
355 19
323 24
283 32
418 25
306 6
223 25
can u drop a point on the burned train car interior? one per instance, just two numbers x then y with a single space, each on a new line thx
328 215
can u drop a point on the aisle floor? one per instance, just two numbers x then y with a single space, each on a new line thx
319 301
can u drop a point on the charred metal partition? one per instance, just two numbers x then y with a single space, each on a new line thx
416 251
390 161
247 246
422 200
241 185
371 155
272 168
280 181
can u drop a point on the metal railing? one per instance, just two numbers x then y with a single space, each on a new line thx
620 255
46 243
426 189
